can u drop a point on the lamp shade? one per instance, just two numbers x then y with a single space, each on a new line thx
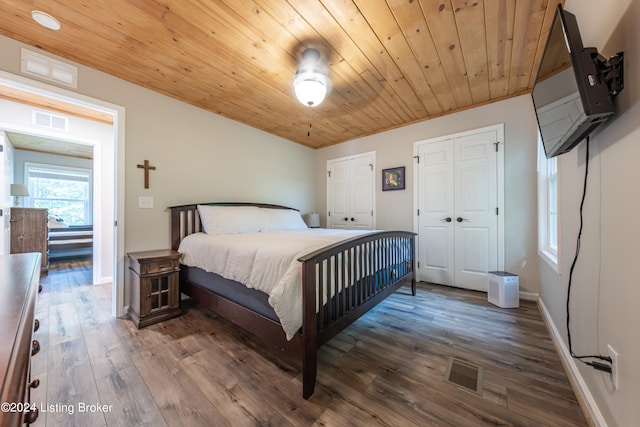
19 190
311 81
312 220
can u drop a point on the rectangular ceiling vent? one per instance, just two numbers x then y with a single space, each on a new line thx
50 69
51 121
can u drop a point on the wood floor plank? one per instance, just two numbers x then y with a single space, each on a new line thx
130 402
179 402
387 369
69 365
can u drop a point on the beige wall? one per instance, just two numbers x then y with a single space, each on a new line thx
395 210
199 156
605 291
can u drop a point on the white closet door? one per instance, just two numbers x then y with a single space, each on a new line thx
457 197
362 190
351 192
338 204
476 219
436 219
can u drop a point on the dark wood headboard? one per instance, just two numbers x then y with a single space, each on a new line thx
185 219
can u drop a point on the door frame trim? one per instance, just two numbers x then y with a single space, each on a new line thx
499 129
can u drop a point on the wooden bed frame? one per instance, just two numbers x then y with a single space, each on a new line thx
390 254
65 239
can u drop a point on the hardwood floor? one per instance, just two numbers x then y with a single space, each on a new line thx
387 369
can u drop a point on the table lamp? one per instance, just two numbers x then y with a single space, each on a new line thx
19 190
312 220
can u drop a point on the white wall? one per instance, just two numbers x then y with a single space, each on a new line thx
605 291
395 210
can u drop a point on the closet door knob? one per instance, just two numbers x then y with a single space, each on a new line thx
447 219
460 219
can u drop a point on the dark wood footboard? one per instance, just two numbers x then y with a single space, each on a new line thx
350 278
340 283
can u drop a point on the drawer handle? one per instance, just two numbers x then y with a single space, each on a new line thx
36 325
34 384
35 347
161 266
31 416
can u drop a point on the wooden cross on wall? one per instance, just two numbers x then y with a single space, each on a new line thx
146 168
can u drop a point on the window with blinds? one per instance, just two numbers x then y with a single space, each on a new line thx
65 191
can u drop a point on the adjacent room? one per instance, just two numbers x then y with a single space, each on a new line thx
319 212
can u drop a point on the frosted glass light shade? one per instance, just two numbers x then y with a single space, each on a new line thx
46 20
310 90
311 81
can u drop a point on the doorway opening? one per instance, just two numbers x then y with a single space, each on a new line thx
108 166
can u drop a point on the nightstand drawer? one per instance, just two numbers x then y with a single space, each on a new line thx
159 266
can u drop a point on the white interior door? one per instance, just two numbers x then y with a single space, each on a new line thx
338 179
350 192
436 213
476 210
362 191
458 218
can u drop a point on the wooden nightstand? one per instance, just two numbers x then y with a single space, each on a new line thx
154 288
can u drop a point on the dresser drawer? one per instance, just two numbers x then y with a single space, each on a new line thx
159 266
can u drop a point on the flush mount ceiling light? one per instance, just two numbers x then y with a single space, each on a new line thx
45 20
311 81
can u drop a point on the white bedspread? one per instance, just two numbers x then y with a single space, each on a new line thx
267 261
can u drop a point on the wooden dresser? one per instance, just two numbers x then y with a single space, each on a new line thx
30 233
19 284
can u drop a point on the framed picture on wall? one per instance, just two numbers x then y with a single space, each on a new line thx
393 179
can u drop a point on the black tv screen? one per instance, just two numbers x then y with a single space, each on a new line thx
570 95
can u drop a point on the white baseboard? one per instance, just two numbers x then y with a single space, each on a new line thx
529 296
104 280
584 394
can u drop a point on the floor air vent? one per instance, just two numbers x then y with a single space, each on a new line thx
465 375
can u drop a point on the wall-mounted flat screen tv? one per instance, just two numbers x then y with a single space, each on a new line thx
573 90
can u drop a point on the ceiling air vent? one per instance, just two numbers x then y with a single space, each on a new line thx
42 66
48 120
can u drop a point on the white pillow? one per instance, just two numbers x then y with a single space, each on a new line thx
283 219
231 219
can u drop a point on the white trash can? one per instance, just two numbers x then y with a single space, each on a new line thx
504 289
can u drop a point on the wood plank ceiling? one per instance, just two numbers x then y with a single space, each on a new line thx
391 62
